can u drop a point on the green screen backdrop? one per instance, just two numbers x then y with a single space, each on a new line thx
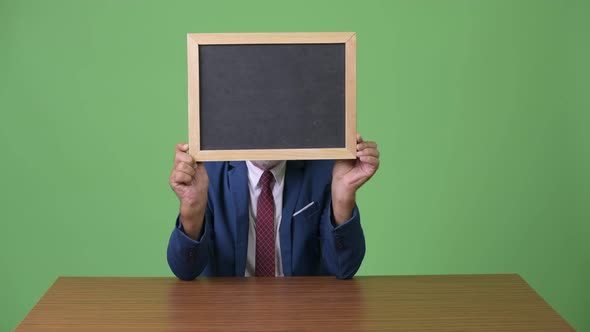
481 110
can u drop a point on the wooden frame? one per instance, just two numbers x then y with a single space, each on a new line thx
196 39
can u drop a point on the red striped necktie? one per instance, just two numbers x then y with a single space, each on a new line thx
265 228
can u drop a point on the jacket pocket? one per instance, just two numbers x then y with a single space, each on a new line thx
306 211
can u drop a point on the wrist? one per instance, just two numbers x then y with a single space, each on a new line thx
191 227
343 193
343 203
191 217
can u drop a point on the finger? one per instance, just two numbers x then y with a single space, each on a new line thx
182 157
181 147
359 139
370 160
179 177
364 145
185 168
368 152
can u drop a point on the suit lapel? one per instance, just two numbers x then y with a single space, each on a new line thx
238 185
293 181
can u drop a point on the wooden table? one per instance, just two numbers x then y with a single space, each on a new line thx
402 303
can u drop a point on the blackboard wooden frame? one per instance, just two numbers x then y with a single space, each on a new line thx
194 40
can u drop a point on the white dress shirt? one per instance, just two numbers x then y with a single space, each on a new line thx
254 174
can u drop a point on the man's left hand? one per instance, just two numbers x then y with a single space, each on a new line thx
349 175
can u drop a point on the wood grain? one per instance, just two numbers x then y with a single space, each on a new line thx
271 38
194 113
275 154
350 94
401 303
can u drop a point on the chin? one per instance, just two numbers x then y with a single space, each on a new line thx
266 164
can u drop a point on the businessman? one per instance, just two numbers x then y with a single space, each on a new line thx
269 218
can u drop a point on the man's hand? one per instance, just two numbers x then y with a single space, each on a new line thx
349 175
189 181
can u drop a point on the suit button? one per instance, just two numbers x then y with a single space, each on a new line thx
339 244
191 255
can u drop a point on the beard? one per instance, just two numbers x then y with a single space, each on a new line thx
266 164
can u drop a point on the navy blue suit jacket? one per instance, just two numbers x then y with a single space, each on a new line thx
310 244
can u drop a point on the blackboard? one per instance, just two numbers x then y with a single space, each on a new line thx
272 96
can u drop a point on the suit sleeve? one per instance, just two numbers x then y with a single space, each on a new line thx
188 258
343 246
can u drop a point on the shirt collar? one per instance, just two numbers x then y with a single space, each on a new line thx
255 173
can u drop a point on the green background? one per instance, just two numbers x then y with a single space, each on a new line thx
481 110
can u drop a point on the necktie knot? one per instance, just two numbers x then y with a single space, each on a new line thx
266 179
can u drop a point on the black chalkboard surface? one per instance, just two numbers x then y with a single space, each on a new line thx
283 97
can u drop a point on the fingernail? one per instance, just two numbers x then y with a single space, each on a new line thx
185 146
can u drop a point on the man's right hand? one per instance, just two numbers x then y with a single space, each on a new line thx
189 181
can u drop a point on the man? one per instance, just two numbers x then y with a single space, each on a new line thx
269 218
